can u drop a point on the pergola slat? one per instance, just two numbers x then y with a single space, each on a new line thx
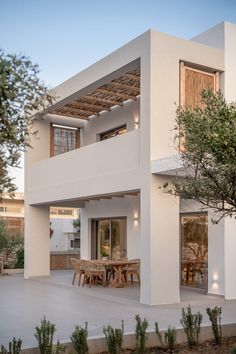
124 86
72 115
118 94
90 105
111 102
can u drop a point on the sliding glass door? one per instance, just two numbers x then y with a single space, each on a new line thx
194 250
109 238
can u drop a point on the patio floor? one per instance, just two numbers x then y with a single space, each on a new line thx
24 302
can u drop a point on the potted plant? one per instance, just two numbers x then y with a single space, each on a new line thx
104 255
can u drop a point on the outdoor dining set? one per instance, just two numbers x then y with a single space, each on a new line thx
112 273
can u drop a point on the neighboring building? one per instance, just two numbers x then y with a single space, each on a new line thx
106 147
64 236
12 212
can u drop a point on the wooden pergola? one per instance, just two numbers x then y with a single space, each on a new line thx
113 93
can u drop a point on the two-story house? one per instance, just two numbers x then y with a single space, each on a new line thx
106 147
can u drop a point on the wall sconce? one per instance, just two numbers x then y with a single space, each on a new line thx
215 281
136 122
135 218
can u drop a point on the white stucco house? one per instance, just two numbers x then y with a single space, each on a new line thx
106 147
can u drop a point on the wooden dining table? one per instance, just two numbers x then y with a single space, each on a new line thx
118 267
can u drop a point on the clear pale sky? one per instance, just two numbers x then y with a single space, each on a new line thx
64 37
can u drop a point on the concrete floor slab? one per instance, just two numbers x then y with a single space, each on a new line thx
24 302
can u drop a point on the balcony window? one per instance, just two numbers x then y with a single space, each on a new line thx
113 132
63 139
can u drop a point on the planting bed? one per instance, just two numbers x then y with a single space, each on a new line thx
207 347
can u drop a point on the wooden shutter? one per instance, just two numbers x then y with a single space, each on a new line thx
192 82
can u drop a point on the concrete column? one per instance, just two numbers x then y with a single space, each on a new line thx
37 237
85 235
230 258
160 245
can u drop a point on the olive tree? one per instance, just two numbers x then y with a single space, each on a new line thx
21 94
207 139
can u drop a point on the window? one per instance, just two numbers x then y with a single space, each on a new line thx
113 132
193 82
63 139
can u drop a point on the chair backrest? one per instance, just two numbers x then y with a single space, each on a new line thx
91 266
76 264
134 266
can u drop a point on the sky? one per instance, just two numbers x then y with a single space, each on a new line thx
66 36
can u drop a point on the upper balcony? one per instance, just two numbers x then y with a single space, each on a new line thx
107 166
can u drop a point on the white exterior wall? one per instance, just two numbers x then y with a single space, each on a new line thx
117 207
59 241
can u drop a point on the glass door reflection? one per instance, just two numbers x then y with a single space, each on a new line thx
194 250
109 238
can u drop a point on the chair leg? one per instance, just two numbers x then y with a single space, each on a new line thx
79 279
83 281
90 281
109 277
132 280
104 280
73 281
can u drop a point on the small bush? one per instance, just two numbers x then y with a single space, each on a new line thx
20 258
214 315
44 335
158 333
233 351
191 323
141 334
170 339
79 339
14 347
114 338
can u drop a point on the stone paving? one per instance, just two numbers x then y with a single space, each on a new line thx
24 302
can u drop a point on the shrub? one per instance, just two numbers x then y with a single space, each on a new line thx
233 351
157 331
191 323
20 258
14 347
170 339
140 334
79 339
114 338
44 335
214 315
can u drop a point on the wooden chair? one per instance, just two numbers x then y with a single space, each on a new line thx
133 269
76 263
92 272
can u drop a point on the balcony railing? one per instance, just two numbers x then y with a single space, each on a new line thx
84 167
